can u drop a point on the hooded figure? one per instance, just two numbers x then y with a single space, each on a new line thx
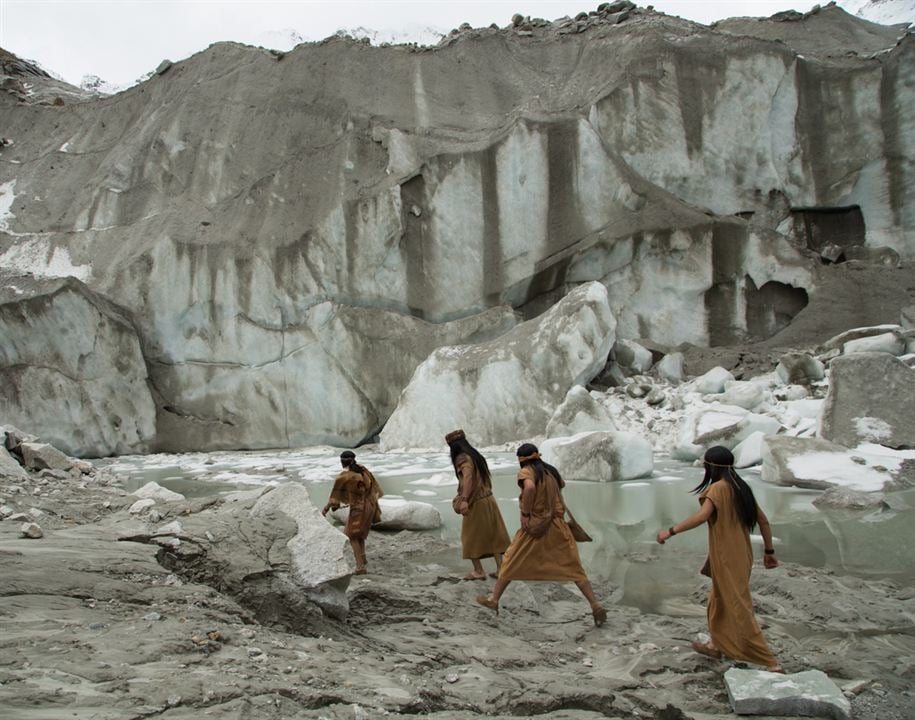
356 488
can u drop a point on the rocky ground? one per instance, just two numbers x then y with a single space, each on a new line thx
94 627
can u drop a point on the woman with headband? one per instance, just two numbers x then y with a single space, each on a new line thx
728 506
483 532
543 548
356 487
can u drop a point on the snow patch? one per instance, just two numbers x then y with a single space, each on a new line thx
39 257
873 428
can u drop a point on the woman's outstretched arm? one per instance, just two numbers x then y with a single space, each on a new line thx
698 518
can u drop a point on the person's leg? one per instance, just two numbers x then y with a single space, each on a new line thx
492 601
359 555
478 572
597 610
499 589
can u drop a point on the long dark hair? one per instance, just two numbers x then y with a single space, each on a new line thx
348 460
462 447
719 464
537 464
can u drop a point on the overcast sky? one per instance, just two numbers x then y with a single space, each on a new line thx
119 40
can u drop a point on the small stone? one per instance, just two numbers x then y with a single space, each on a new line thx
255 652
31 530
517 19
6 511
451 677
858 460
152 617
587 662
173 700
163 67
97 626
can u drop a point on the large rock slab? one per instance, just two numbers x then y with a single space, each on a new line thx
870 399
820 465
506 388
807 694
10 467
71 368
600 456
726 425
400 515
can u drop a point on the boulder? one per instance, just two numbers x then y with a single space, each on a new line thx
155 491
741 393
820 465
670 368
810 693
503 389
869 400
141 505
797 368
600 456
13 437
31 531
579 412
40 456
319 554
632 356
907 317
748 451
885 256
843 498
890 342
725 425
714 381
71 368
10 468
838 342
400 515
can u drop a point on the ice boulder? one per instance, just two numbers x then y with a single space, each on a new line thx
670 368
632 356
890 342
747 395
725 425
748 452
820 464
600 456
870 399
400 515
506 388
579 412
155 491
713 381
840 340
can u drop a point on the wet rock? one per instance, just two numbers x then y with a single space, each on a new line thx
656 397
638 390
808 693
600 456
845 499
870 400
31 530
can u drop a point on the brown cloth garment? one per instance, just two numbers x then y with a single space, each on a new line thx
731 621
483 532
554 555
361 492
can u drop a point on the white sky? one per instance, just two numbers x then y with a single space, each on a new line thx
119 40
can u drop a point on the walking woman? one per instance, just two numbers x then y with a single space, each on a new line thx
356 487
543 549
483 532
728 506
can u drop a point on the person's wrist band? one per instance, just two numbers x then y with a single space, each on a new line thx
671 530
524 514
769 551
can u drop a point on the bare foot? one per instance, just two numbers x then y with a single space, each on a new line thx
706 649
474 576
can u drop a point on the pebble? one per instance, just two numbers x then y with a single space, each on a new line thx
255 652
5 511
32 531
451 677
152 617
587 662
173 700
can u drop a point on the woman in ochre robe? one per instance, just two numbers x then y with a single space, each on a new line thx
483 532
728 506
357 488
543 548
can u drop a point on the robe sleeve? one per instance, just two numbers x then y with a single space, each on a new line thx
466 484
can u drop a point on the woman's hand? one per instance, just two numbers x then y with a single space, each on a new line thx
663 536
464 506
525 521
326 508
770 562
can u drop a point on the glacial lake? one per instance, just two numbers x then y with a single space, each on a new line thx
622 517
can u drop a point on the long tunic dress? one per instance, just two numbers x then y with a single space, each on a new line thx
361 492
483 532
731 620
552 556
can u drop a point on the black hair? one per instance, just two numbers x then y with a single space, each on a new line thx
348 460
461 446
719 464
537 464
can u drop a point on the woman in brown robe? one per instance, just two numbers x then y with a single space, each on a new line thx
483 532
728 506
543 548
357 488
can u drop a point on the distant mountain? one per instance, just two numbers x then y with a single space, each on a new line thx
885 12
